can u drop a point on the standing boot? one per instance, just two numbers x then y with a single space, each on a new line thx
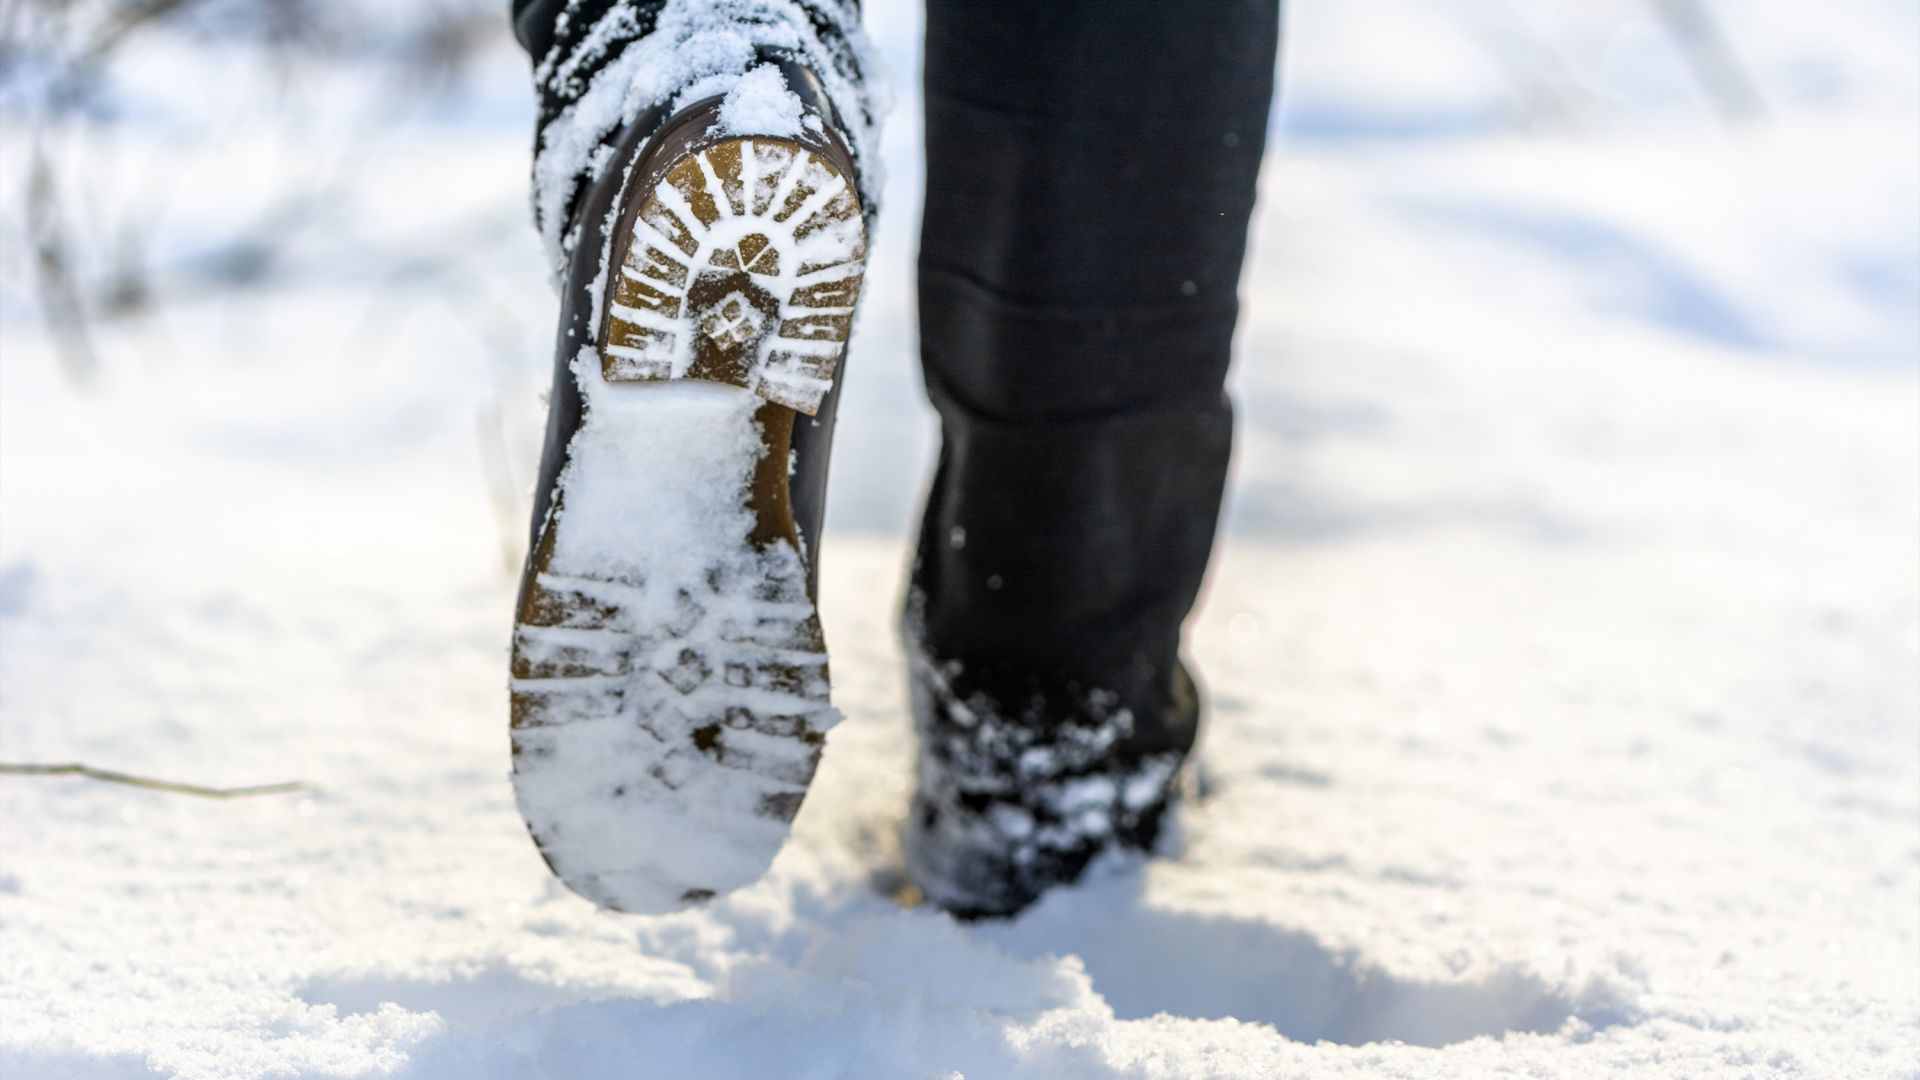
1091 167
1056 564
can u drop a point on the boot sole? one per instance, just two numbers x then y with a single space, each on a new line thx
670 685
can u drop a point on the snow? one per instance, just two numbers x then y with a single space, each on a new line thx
1563 645
761 104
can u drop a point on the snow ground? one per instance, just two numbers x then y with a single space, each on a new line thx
1564 644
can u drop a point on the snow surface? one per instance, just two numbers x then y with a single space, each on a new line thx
1563 647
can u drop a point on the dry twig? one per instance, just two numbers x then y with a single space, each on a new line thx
112 777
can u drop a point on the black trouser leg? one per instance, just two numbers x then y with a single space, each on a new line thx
1091 167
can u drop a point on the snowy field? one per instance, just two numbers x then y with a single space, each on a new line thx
1563 644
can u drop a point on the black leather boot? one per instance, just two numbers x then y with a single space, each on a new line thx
1091 168
1057 562
669 691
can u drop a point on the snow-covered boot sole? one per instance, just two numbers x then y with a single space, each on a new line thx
670 689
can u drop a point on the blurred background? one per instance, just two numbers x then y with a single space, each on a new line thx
184 180
1563 643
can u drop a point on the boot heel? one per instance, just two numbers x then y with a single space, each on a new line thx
742 265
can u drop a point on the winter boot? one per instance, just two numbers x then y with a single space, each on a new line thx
669 675
1056 565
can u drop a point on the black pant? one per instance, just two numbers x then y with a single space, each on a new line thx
1091 167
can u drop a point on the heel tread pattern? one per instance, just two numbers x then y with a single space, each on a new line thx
743 266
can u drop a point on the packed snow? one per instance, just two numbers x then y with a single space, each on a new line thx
1563 645
761 104
667 623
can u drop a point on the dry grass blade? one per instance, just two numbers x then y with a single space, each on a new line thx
112 777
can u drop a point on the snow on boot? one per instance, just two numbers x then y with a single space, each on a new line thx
1013 799
669 674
